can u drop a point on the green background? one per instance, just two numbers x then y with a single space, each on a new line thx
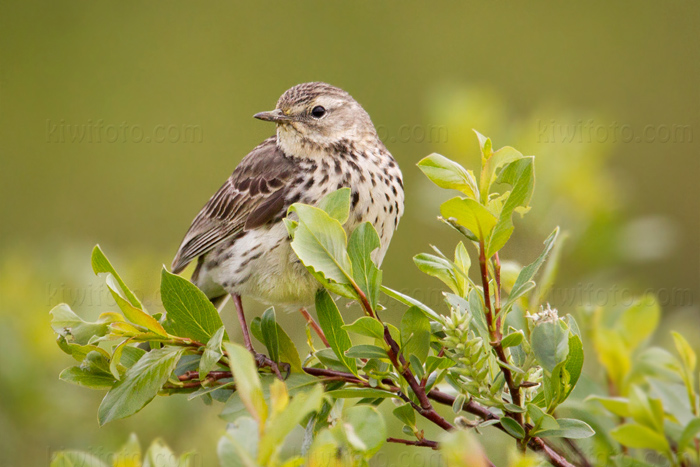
529 75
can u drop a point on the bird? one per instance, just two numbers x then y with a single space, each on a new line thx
324 141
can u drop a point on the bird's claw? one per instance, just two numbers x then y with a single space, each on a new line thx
264 361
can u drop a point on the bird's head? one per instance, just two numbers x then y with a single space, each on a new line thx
313 116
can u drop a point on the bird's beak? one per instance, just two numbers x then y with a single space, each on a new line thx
276 116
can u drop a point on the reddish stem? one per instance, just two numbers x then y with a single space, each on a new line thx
420 442
314 325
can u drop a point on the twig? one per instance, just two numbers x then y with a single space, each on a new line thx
314 325
212 375
578 451
420 442
554 457
495 329
364 301
425 409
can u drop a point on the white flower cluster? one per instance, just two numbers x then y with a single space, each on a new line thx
546 315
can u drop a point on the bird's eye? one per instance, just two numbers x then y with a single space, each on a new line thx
318 111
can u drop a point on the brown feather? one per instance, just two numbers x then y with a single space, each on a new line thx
253 196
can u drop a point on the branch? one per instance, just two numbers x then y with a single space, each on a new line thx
554 457
495 328
425 409
536 444
421 442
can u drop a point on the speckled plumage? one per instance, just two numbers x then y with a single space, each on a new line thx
239 239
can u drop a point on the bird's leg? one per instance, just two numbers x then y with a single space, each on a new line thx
314 325
260 359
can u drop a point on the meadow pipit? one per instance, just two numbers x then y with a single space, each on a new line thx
325 141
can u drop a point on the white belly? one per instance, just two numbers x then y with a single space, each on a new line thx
261 264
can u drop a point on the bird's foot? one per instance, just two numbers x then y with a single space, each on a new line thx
263 361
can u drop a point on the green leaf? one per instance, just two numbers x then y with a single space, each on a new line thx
226 383
366 326
76 459
542 420
529 271
129 455
331 323
78 351
321 244
549 274
268 326
365 429
132 313
521 176
550 343
116 358
645 410
89 379
687 372
448 174
366 351
248 386
100 264
497 159
140 384
239 446
190 313
463 263
415 334
363 241
66 323
513 339
160 455
574 362
439 268
485 145
283 423
617 405
337 204
410 301
296 382
517 293
212 354
131 355
639 437
512 427
350 392
686 352
690 432
406 414
613 354
288 351
639 321
433 363
471 215
568 428
478 312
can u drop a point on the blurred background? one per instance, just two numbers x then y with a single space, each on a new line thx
119 120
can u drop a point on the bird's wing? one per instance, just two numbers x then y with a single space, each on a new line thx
253 196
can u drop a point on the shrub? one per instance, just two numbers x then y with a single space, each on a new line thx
499 356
